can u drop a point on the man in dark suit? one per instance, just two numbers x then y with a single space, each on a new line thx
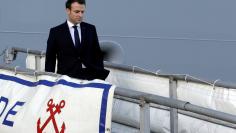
75 46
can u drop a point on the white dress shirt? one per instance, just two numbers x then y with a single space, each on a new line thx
70 25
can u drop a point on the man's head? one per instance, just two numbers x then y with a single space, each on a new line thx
75 10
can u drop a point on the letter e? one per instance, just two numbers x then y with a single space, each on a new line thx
11 112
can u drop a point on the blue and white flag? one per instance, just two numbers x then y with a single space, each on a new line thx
40 104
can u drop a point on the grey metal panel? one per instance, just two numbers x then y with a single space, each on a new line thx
120 128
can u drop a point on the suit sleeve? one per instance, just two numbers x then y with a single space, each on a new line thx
98 58
50 60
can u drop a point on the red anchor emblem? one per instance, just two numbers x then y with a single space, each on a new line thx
53 112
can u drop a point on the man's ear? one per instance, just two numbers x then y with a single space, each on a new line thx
67 10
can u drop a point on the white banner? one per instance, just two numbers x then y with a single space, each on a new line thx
30 104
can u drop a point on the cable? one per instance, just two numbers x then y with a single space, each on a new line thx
168 38
137 37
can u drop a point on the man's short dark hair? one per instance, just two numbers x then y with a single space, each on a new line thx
69 2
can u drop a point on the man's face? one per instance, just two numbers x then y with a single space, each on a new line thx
76 13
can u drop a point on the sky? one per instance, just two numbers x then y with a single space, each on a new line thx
177 37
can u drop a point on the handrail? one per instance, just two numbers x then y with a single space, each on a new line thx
178 104
183 77
143 100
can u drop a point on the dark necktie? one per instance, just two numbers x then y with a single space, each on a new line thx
76 35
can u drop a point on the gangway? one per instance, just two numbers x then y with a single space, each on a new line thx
146 102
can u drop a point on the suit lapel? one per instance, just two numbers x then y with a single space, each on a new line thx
68 35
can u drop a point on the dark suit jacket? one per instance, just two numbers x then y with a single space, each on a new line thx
60 46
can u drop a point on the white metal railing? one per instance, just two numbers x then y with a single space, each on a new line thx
148 100
11 53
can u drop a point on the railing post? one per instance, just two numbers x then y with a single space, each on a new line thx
144 117
173 111
37 63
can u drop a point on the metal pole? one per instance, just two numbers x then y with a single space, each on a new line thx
162 107
176 104
144 117
29 51
37 63
173 111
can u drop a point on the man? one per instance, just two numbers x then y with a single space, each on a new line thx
75 45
